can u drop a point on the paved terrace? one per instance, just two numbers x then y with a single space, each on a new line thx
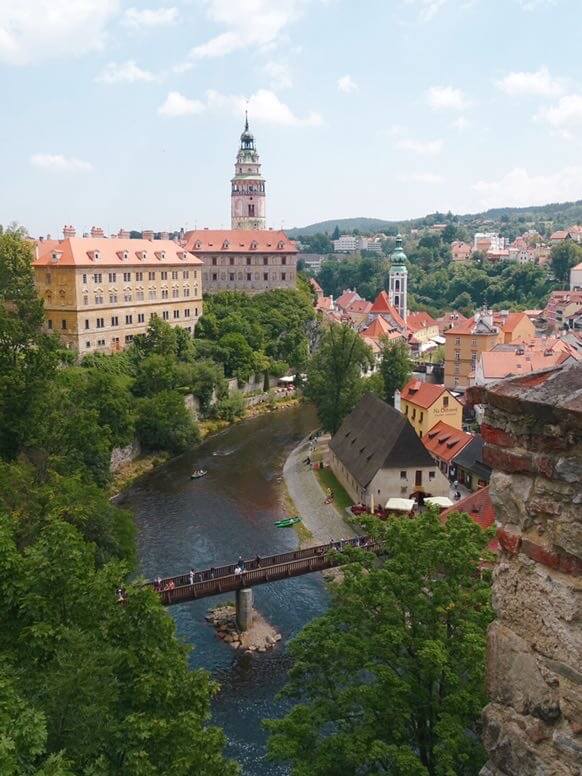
257 571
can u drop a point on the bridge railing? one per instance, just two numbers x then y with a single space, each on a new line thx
252 564
318 560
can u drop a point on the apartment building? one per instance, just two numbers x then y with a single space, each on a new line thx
465 343
426 404
100 293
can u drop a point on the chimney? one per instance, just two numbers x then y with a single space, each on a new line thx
147 234
164 235
96 231
68 232
397 405
123 234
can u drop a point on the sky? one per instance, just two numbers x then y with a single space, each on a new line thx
127 114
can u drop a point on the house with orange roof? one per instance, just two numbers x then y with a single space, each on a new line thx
346 298
444 442
465 343
383 307
317 289
99 293
358 311
559 306
461 251
422 326
425 404
449 320
559 236
250 260
497 365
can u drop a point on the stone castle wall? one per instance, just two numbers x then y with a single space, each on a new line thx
533 434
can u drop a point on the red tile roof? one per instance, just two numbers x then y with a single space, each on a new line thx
346 298
382 304
480 509
422 394
509 322
103 252
497 365
238 241
378 328
445 442
420 320
361 306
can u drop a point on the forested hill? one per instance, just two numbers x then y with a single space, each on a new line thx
560 213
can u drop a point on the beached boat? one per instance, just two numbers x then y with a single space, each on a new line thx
287 522
198 473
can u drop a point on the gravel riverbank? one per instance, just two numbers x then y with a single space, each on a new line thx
324 521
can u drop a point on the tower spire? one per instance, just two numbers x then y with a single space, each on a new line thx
246 120
247 185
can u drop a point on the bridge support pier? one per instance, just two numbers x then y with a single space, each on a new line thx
244 608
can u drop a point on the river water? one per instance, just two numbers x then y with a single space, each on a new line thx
209 522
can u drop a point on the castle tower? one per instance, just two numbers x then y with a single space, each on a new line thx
398 279
248 186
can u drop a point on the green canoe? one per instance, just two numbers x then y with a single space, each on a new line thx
287 521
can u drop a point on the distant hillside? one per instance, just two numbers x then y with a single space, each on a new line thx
560 213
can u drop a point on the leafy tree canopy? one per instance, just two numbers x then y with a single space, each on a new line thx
391 678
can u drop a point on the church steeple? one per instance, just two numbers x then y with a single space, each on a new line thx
248 185
398 279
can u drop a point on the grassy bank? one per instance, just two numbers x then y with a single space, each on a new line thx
327 479
126 475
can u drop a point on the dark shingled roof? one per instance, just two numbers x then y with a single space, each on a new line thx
471 458
375 436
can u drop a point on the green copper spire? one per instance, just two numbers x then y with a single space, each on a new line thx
398 257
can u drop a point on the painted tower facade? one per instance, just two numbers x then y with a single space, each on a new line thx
248 186
398 279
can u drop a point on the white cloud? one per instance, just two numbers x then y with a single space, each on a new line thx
422 177
427 9
33 30
124 72
531 5
279 74
519 188
346 84
250 23
446 98
263 106
535 82
176 105
150 17
421 147
564 115
461 123
59 163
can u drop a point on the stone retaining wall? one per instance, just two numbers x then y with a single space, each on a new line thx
533 435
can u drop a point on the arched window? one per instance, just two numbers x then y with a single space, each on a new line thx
397 285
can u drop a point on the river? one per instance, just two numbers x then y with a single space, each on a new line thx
208 522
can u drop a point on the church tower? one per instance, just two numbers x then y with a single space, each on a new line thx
248 186
398 279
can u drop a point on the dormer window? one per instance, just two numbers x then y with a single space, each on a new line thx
94 255
123 255
142 255
56 255
197 245
254 245
182 255
225 245
160 255
280 245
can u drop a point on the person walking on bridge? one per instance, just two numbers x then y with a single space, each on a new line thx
191 576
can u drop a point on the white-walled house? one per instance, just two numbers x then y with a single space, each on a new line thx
377 454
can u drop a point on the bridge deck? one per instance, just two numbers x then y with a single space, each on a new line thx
257 571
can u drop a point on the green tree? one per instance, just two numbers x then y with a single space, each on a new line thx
230 407
156 373
565 255
164 423
110 398
207 379
334 376
109 683
28 357
238 356
336 233
394 368
391 679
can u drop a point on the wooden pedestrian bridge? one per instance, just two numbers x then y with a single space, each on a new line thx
256 571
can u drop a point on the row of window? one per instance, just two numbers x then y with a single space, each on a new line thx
97 277
249 276
458 340
129 319
249 261
128 296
